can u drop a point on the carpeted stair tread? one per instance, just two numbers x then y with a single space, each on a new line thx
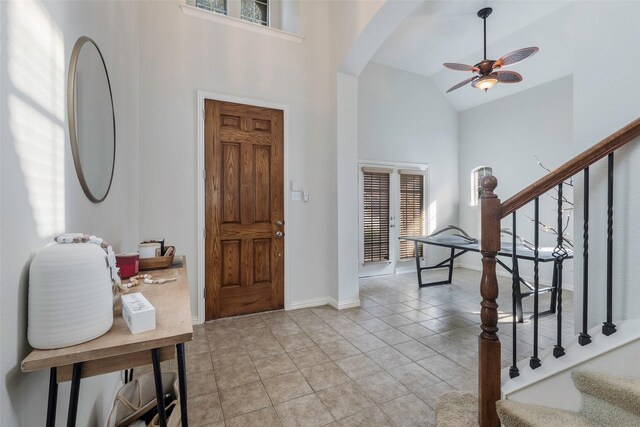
605 414
619 391
457 409
516 414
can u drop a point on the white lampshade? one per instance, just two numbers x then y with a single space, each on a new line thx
485 83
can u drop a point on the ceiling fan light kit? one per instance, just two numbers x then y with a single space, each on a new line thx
488 73
485 83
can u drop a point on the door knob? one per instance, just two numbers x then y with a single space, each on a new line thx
279 223
279 234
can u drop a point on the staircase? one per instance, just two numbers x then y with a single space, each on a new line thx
607 400
590 385
560 377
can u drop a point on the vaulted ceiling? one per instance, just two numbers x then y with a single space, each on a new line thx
450 31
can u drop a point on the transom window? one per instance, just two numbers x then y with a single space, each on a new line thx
256 11
218 6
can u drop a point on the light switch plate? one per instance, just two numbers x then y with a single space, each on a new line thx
296 196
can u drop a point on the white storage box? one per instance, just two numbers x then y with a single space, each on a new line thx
138 313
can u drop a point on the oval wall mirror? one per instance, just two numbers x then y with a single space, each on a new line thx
92 123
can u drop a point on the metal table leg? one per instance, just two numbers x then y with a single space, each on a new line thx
182 379
75 393
451 258
418 267
53 397
157 375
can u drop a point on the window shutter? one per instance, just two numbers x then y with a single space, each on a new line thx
411 212
376 215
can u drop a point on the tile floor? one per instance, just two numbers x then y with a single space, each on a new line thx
382 364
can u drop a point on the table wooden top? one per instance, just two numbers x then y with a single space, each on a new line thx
173 325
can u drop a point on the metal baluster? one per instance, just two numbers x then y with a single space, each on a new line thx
608 327
584 337
535 361
559 254
513 370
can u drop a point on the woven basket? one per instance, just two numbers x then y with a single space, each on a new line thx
158 262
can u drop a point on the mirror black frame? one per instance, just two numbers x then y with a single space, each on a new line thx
71 115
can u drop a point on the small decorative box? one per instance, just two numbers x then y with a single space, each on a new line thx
138 313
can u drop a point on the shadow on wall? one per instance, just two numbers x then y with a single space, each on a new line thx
33 185
41 196
35 106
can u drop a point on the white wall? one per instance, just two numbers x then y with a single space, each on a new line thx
507 135
604 101
182 54
403 117
156 114
358 30
40 192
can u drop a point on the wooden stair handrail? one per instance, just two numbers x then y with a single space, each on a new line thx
572 167
491 212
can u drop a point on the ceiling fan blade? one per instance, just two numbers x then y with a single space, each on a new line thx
507 76
460 67
515 56
462 83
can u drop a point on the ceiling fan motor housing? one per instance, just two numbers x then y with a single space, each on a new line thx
486 67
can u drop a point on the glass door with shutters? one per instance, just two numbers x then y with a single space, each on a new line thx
393 201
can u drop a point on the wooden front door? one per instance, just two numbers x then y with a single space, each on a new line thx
244 209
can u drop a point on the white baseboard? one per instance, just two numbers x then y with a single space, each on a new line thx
315 302
565 286
341 305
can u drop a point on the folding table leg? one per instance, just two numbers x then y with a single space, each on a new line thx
451 265
418 267
157 375
182 378
53 397
75 394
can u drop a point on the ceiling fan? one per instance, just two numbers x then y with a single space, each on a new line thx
487 72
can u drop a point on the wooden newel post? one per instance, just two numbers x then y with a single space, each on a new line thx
489 359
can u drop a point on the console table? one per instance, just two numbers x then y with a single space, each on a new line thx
119 349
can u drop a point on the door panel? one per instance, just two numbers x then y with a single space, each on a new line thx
262 184
231 263
244 198
231 183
